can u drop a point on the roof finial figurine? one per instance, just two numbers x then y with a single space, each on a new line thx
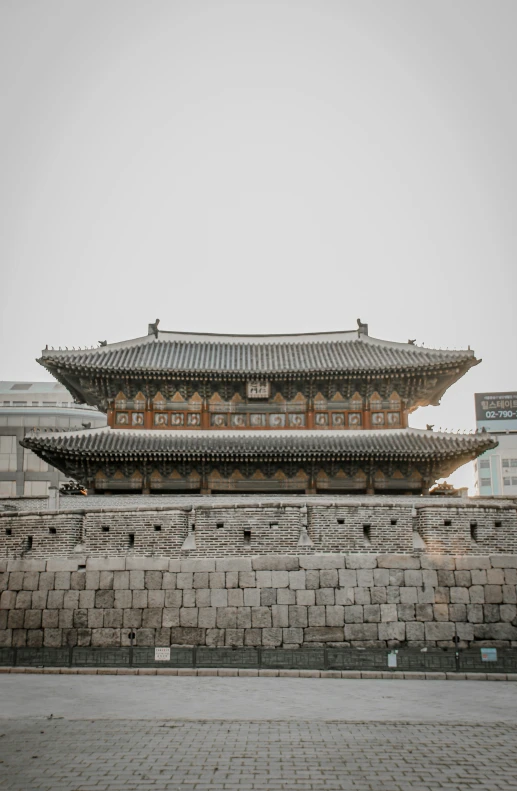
362 328
429 427
411 341
153 328
86 425
102 343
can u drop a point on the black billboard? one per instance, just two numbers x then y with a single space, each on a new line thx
496 406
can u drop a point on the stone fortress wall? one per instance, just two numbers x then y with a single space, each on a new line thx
353 572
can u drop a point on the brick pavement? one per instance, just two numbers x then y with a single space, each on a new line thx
170 755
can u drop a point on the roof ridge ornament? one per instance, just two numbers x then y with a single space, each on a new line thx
152 329
362 328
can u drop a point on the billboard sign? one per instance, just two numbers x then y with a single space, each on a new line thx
496 406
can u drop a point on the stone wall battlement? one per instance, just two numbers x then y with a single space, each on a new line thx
208 528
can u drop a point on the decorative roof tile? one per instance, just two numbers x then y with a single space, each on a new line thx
286 445
255 355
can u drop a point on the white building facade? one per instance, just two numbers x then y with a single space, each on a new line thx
28 405
496 470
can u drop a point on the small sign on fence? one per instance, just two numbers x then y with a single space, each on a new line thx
392 659
489 654
162 654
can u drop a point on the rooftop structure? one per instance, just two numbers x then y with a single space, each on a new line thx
263 413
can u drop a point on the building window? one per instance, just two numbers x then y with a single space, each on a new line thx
35 488
485 482
509 462
22 386
8 461
507 481
484 464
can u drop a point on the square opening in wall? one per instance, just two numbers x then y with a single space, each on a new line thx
247 536
273 525
219 525
29 542
81 567
393 521
447 522
367 530
498 523
341 521
52 531
474 531
157 528
8 531
131 539
105 529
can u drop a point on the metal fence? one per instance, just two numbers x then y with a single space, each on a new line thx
449 660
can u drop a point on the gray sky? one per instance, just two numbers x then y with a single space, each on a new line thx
261 166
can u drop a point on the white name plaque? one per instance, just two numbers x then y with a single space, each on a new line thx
257 389
162 654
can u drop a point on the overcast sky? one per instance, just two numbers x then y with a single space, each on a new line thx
264 167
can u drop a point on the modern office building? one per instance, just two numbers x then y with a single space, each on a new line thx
28 405
496 469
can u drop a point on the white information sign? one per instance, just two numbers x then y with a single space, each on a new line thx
257 389
162 654
392 659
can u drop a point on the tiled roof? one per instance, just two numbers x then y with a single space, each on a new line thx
289 445
188 353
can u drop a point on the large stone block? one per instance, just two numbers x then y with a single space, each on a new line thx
468 562
279 579
297 580
495 631
347 578
62 580
253 637
335 615
317 616
322 562
345 596
26 564
441 562
70 600
261 617
137 579
188 617
121 580
77 580
219 597
217 579
441 612
364 578
371 614
226 617
6 636
292 636
15 580
504 561
508 613
392 631
326 596
305 598
62 564
388 612
280 615
439 631
235 597
247 579
50 619
493 594
275 563
145 637
171 616
155 599
55 600
147 564
112 619
284 596
243 617
492 613
232 564
198 565
459 596
322 634
263 579
32 619
8 600
66 619
206 617
475 613
105 564
105 599
52 638
361 631
414 631
23 600
186 636
123 599
214 638
271 637
34 638
495 576
174 598
509 594
405 612
413 577
361 561
169 580
268 596
153 580
185 580
252 597
381 578
39 600
354 614
424 612
398 562
408 596
105 638
132 618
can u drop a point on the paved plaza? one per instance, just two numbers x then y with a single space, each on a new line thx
205 734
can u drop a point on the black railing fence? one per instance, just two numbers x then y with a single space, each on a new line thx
450 660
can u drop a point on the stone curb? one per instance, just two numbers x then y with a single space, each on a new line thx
247 673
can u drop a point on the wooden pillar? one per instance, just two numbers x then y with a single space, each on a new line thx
111 417
205 414
404 418
367 422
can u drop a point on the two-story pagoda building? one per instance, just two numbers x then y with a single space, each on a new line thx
324 412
